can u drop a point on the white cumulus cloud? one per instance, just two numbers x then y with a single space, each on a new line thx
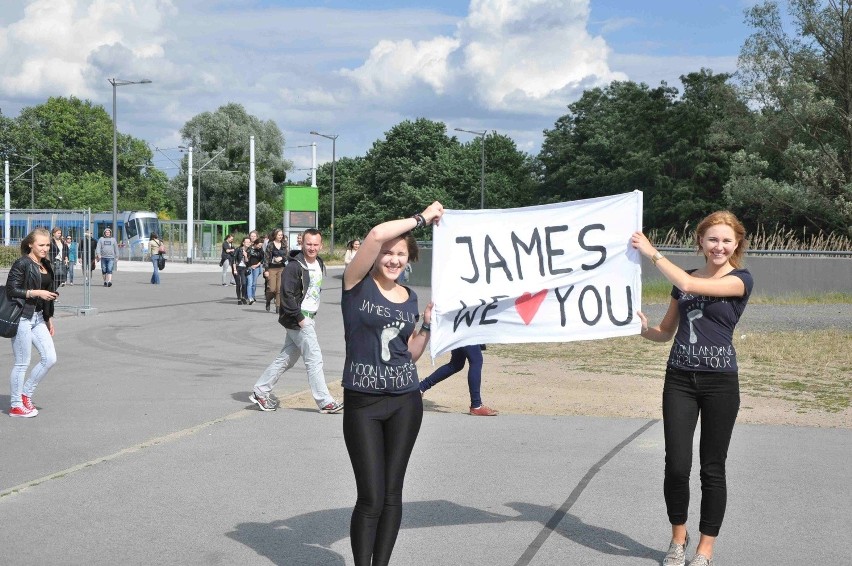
67 46
506 55
393 65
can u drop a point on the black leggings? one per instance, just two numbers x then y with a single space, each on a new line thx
380 431
716 397
242 282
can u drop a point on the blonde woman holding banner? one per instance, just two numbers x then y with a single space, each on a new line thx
381 391
701 374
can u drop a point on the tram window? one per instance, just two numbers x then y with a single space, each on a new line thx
130 227
148 226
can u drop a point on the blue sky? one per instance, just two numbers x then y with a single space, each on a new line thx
354 69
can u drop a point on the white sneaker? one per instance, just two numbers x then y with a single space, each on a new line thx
676 556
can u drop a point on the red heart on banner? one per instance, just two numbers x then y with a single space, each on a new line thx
527 305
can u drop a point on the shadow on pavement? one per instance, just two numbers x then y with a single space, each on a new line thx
306 539
600 539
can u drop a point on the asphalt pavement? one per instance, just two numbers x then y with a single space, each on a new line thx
147 451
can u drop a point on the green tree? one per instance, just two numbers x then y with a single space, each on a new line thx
71 140
415 164
628 136
75 191
398 173
611 142
800 165
223 137
348 194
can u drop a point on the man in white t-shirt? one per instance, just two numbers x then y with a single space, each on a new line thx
300 298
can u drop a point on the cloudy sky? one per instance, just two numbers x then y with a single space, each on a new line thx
354 68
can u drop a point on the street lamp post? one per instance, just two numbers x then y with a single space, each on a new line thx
333 138
482 172
117 83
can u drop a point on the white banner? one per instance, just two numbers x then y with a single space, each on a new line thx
550 273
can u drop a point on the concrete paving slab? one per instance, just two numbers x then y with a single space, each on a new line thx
148 452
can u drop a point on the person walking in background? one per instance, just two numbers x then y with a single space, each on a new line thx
351 249
301 283
473 355
87 251
156 249
701 374
275 259
226 260
59 256
72 258
254 268
30 284
384 408
240 268
107 252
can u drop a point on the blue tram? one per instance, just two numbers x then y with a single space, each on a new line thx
134 228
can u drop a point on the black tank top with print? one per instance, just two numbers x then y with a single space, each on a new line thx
377 332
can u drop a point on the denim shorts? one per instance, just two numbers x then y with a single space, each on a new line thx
107 264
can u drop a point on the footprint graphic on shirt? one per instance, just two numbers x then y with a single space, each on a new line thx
692 316
389 332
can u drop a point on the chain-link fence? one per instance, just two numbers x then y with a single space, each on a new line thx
71 253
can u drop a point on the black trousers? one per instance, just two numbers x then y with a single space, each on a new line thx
715 397
380 432
242 282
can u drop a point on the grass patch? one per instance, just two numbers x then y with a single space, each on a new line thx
658 291
811 369
802 299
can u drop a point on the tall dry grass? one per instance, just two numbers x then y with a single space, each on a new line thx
779 238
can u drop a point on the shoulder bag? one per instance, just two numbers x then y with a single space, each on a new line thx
161 262
10 315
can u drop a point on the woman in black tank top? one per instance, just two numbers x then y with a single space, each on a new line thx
701 378
381 391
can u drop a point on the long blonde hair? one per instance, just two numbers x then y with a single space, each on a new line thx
727 218
28 241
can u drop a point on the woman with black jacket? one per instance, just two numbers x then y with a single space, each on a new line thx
59 256
226 260
240 269
30 284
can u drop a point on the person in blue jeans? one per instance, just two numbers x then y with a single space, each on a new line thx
254 266
107 252
701 379
154 252
72 258
31 285
473 354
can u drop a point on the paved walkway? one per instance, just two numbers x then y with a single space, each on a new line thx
147 451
